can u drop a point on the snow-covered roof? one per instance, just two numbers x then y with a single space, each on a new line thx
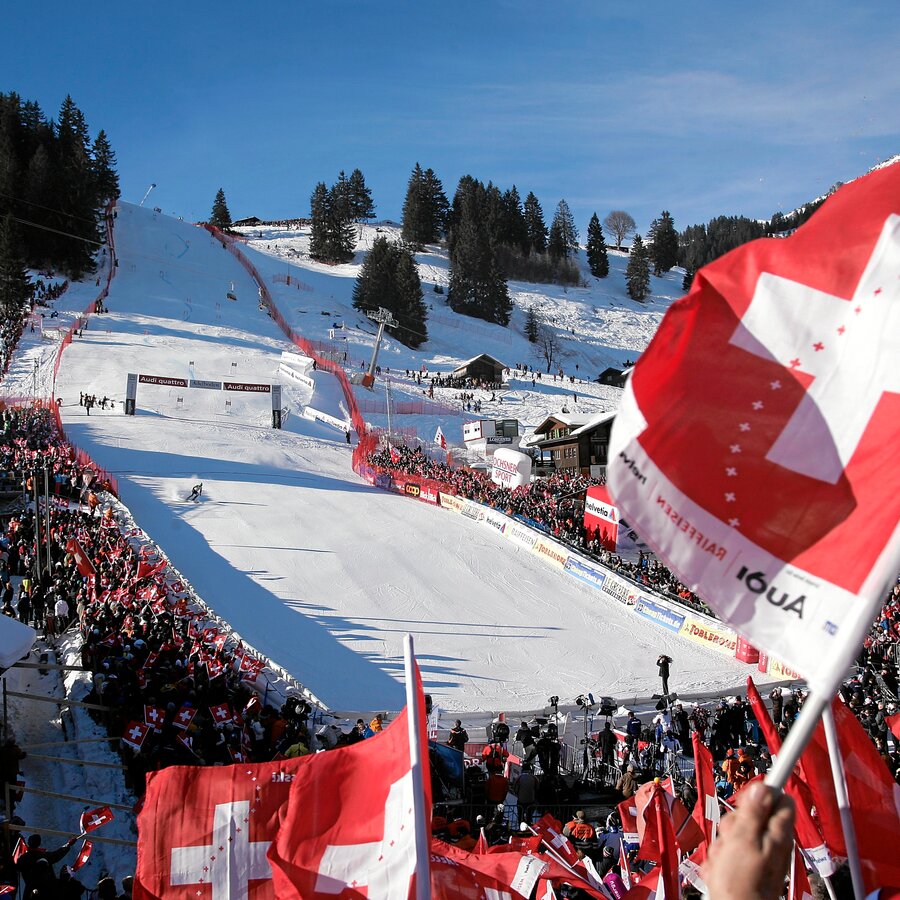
15 641
570 420
593 422
468 362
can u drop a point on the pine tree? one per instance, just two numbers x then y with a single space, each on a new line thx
15 286
532 326
664 247
637 274
318 238
534 224
105 176
437 205
563 240
362 207
514 232
220 217
76 192
477 286
416 224
389 278
597 258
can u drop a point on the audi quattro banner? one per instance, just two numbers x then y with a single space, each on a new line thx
755 445
163 381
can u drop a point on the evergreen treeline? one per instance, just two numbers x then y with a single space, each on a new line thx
53 182
699 245
389 278
334 212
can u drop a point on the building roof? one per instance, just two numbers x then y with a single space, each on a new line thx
486 356
593 422
570 420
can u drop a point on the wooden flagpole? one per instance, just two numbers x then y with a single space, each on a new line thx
423 850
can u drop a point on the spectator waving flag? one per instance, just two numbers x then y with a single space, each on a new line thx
84 854
754 448
82 560
356 819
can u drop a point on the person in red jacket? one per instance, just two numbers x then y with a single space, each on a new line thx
494 757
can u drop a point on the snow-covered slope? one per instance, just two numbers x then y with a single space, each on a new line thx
318 570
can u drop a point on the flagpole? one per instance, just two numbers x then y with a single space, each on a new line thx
798 737
420 814
843 801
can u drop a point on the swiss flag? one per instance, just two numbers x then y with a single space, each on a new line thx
135 734
221 712
754 445
82 560
148 569
19 850
439 438
458 875
184 717
550 831
686 831
706 809
84 854
660 833
154 716
93 819
206 829
395 455
350 822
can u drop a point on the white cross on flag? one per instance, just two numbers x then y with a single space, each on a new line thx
135 734
82 560
350 824
154 716
92 819
221 712
755 445
184 717
204 831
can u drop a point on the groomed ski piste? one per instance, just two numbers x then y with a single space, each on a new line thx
318 570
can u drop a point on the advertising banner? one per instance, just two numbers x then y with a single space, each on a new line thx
779 670
208 385
551 552
716 637
450 501
619 589
510 469
521 534
247 386
601 516
660 614
495 520
584 571
163 381
473 511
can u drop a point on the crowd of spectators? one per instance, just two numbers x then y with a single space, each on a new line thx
554 504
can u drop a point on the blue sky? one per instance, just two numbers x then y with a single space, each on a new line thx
702 108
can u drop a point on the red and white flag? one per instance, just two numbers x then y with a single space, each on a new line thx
93 819
458 875
893 722
84 854
351 824
439 438
82 560
221 712
19 850
154 716
754 445
706 809
550 831
874 798
135 734
219 849
659 834
688 833
184 717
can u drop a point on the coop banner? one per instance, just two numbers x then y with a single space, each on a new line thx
755 444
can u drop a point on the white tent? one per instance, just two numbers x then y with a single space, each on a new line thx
16 640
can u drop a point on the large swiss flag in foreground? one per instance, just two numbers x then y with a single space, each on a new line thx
204 831
755 446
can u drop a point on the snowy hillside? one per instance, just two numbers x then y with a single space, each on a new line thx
318 570
595 326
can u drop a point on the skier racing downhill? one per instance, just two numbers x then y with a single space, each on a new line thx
195 493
